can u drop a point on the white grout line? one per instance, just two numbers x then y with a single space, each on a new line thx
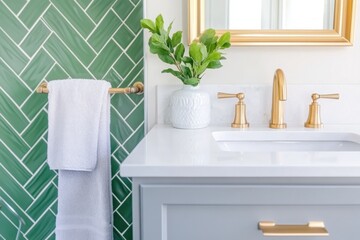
9 9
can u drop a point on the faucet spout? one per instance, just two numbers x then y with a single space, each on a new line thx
279 95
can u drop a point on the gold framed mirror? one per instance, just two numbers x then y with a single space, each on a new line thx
341 34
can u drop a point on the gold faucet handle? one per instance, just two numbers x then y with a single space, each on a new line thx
314 119
240 109
239 96
316 96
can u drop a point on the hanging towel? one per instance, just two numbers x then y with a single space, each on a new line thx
74 119
79 147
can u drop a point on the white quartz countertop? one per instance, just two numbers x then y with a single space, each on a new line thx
169 152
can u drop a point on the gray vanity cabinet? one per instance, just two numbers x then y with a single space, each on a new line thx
207 210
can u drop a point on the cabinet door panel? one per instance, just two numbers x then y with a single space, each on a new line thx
213 212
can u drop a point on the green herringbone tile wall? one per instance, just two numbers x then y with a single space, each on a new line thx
43 40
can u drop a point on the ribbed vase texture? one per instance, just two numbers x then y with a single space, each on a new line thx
190 108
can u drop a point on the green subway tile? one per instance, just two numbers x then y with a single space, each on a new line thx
119 127
34 104
75 42
136 117
135 139
115 166
12 188
119 189
7 230
11 25
115 202
75 15
113 77
37 69
133 21
105 60
54 207
119 223
135 75
15 6
18 210
121 154
105 30
11 54
124 209
57 73
117 236
12 165
128 234
36 128
12 114
135 50
123 8
43 228
98 9
33 11
124 36
38 182
35 38
12 140
113 142
84 3
123 66
127 182
136 1
123 104
42 202
65 58
37 156
12 85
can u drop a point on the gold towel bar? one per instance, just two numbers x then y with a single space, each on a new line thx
138 88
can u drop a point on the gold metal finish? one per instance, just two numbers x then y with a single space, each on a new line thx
240 109
138 88
314 119
310 229
278 98
342 34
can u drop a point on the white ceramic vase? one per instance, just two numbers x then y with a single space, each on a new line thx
190 108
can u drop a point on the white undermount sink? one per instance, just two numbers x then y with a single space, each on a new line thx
286 141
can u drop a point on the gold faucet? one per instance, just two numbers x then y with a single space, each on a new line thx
278 98
240 109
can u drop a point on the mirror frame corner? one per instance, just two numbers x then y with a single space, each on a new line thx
341 35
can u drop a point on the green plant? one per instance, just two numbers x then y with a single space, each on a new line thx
203 54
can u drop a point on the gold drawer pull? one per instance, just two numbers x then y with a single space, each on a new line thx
310 229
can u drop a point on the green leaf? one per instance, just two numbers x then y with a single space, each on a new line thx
166 58
158 42
176 38
159 22
214 65
174 73
201 69
207 37
203 51
213 56
224 39
226 45
148 24
192 81
179 52
187 60
169 28
195 52
187 70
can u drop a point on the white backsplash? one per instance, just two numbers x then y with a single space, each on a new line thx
346 110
